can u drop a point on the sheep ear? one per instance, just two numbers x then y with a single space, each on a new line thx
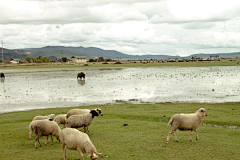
98 153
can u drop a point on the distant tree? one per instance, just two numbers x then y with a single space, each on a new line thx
92 60
27 58
64 59
33 59
45 59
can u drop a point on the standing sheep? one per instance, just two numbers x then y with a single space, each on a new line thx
52 116
32 124
75 140
77 121
45 128
82 111
186 122
60 119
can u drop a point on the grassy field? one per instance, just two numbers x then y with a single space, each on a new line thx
143 138
222 62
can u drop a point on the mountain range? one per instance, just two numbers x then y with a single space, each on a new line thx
56 52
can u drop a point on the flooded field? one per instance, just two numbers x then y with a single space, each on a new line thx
25 90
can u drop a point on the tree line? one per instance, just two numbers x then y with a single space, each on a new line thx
37 59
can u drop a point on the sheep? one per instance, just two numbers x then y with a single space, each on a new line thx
186 122
60 119
77 121
73 139
32 123
82 111
52 116
45 128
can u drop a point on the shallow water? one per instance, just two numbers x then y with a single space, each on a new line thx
25 90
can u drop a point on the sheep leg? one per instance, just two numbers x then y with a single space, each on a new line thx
51 139
191 135
175 136
64 151
30 135
196 134
37 141
79 150
46 141
169 134
85 129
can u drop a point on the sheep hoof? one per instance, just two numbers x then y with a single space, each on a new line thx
190 140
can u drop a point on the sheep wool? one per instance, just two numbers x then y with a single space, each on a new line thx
77 121
82 111
60 119
75 140
186 122
45 128
52 116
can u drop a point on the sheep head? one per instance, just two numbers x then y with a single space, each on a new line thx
94 113
99 111
203 112
94 155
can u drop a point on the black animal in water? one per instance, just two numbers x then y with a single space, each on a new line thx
81 75
2 76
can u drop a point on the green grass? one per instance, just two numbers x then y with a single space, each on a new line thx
143 138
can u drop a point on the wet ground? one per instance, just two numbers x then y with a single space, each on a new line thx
26 90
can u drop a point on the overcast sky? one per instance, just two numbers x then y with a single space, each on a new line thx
136 27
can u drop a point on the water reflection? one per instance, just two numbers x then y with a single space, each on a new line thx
24 90
81 81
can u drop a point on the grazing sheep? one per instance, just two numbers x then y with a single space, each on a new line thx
33 123
75 140
60 119
45 128
84 120
186 122
52 116
82 111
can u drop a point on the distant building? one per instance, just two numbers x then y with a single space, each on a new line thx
14 61
79 59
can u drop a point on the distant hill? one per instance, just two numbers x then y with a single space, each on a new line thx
55 52
11 54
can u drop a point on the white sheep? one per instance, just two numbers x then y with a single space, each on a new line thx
52 116
77 121
33 123
73 139
45 128
186 122
60 119
82 111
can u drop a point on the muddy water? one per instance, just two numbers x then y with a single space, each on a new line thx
25 90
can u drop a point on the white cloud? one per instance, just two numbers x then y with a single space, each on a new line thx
170 27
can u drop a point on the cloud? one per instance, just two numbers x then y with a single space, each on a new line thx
170 27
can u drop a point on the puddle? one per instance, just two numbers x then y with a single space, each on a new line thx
36 89
219 126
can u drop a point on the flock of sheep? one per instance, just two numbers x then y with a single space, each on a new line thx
74 139
69 137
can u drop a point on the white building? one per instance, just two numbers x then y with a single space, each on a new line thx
79 59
